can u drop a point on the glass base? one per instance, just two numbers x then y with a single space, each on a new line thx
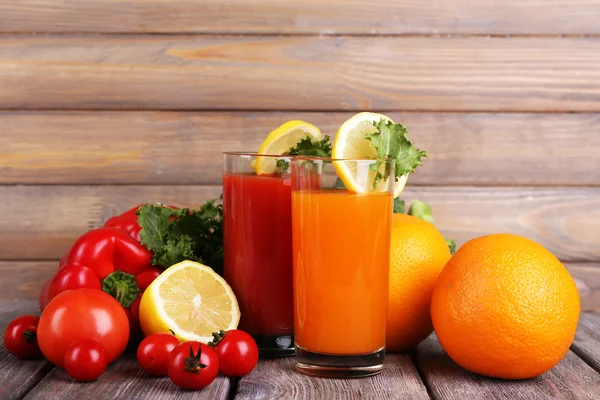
339 366
275 346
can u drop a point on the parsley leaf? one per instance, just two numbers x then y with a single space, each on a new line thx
451 245
283 166
391 140
307 147
399 206
176 235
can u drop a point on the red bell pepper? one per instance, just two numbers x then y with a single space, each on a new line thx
126 222
106 259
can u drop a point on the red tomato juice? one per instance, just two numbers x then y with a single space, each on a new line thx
258 251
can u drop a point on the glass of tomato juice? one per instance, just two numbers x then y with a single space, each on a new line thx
258 247
341 252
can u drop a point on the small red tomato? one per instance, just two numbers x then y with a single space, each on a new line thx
20 337
237 352
86 360
193 365
153 353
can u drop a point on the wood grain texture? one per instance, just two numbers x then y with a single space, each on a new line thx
41 222
64 147
278 379
299 73
572 378
55 216
587 339
23 280
124 379
18 376
295 16
587 279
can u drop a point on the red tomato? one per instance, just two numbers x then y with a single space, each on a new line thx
82 314
73 277
193 365
153 353
20 337
237 352
86 360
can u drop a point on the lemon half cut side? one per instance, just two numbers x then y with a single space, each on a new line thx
191 300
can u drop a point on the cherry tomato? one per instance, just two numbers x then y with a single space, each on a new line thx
237 352
85 360
81 314
153 353
73 277
193 365
20 337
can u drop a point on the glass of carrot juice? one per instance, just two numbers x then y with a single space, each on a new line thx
341 249
258 247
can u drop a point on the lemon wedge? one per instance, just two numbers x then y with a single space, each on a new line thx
279 142
350 143
191 300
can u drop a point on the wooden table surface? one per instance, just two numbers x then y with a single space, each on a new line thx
426 373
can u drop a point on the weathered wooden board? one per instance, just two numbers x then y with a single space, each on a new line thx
41 222
278 379
587 339
17 377
587 278
64 147
122 380
572 378
23 280
296 16
299 73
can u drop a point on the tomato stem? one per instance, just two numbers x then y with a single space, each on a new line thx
29 336
192 363
217 337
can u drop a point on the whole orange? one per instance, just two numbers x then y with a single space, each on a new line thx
418 254
505 307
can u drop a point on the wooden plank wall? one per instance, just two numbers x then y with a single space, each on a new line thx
108 103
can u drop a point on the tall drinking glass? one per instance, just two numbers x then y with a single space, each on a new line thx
258 247
341 250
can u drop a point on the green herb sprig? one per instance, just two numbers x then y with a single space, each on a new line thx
176 235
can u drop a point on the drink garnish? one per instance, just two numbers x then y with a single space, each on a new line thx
306 146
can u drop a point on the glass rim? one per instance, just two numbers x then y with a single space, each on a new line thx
331 159
254 154
304 158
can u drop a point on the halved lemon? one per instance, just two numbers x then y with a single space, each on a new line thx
279 142
191 300
350 143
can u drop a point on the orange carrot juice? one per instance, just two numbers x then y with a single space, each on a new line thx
341 250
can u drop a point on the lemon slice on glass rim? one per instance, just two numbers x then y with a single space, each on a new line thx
191 300
280 140
350 143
